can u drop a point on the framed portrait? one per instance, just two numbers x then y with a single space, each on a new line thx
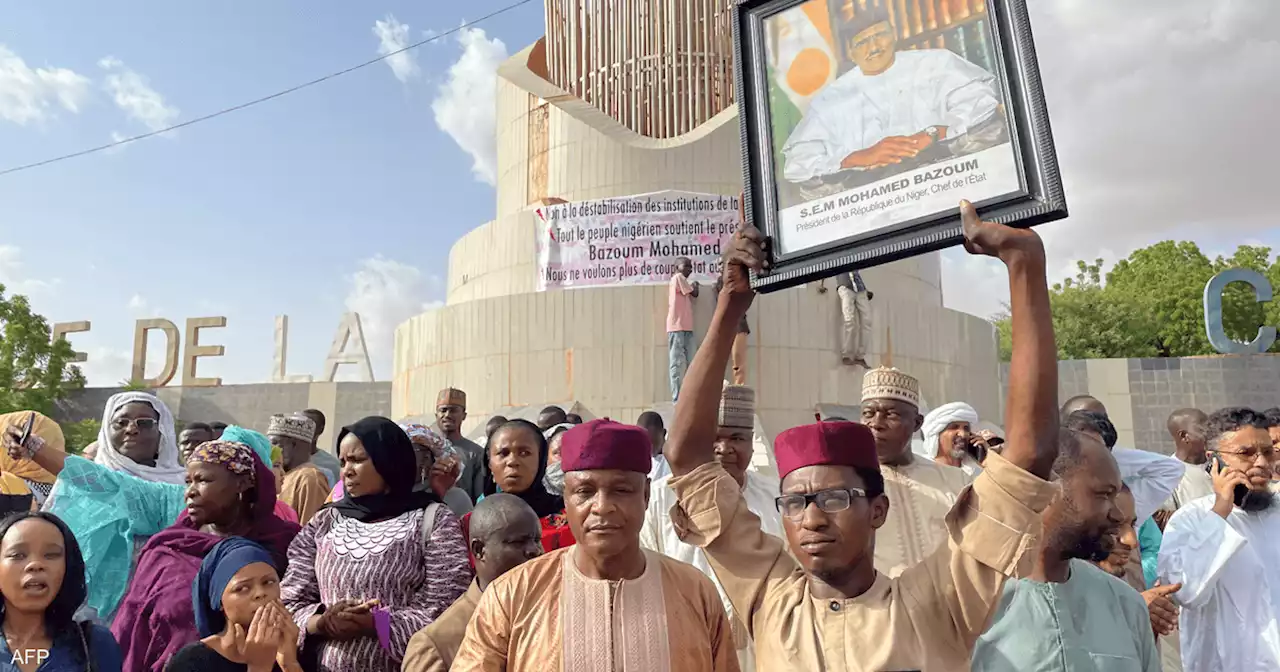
865 122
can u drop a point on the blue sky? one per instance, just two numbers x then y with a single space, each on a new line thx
349 194
267 211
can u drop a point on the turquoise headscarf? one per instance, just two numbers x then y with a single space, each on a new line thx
255 440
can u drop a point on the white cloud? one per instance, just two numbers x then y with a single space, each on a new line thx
465 105
132 93
28 94
392 37
385 293
1161 113
15 279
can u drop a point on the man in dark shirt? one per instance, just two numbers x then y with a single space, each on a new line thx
855 307
451 410
738 355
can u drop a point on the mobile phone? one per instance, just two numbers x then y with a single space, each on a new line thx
1217 465
26 430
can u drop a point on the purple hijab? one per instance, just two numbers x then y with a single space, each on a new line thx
156 617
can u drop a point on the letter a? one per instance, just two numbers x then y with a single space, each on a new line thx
350 332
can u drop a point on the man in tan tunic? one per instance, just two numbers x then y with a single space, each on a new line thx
922 491
505 533
604 604
305 487
827 608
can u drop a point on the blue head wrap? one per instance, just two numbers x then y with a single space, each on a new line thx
223 561
255 440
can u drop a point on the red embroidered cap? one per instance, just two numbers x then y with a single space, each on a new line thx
846 444
605 444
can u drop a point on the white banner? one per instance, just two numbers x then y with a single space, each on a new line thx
633 240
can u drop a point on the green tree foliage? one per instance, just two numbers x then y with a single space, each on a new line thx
34 372
132 385
80 434
1152 304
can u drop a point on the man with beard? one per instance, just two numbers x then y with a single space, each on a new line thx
1068 614
1224 550
604 603
949 437
816 601
451 410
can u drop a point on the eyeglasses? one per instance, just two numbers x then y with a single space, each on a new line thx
143 424
830 501
1250 455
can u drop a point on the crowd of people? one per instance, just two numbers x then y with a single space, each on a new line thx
900 540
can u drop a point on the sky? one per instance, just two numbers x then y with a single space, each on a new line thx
347 195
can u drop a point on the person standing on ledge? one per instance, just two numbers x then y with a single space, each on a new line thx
823 605
855 309
680 296
451 410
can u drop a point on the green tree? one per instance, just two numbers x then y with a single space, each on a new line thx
35 372
79 435
1166 282
132 385
1092 321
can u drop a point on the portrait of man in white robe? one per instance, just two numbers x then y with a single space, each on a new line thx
896 110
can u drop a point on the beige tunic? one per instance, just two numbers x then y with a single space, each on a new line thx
921 495
926 619
305 489
668 620
433 648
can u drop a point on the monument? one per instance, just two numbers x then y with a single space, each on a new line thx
628 100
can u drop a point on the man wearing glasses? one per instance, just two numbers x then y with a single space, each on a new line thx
827 608
1224 550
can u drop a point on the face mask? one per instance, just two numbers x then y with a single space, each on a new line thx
554 479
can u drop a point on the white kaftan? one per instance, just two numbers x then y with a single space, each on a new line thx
923 88
1151 478
1230 594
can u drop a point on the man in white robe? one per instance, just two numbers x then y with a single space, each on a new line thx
891 107
948 437
1224 549
733 450
921 492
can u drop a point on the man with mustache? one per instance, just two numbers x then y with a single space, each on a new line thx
823 606
922 490
1120 564
950 437
604 603
1067 614
1224 549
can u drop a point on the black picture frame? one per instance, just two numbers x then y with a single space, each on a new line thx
1040 198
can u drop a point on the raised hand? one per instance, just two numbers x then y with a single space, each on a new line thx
12 439
745 253
996 240
1164 613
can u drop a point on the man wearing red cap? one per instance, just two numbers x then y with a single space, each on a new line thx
604 604
827 608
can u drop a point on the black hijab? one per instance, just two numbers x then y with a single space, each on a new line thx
543 503
393 456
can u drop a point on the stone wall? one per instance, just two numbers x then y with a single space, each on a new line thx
250 405
1141 393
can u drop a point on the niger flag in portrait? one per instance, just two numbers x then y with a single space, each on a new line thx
803 56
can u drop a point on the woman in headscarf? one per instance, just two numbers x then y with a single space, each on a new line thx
243 625
438 469
231 493
42 583
270 455
373 568
518 455
554 479
39 482
112 503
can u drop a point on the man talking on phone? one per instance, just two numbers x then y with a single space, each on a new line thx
1224 549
